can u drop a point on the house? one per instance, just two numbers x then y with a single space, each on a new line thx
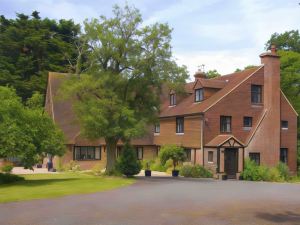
219 122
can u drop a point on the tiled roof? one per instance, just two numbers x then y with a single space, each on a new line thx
220 140
187 106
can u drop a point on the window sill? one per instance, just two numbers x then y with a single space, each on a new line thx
283 128
179 133
210 162
229 132
171 106
198 102
156 134
247 128
257 105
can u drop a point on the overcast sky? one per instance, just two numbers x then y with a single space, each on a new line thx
223 35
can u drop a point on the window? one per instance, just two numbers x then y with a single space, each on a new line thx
188 154
210 156
284 155
157 151
179 125
119 151
199 95
254 156
172 99
157 128
139 153
256 93
225 124
87 153
247 121
284 124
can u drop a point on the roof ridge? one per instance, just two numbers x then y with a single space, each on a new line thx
257 126
289 102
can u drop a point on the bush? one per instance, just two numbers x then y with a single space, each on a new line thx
146 164
72 166
157 166
127 163
173 152
196 171
97 169
6 178
262 173
283 171
7 168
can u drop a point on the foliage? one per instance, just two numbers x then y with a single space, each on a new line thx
7 168
157 166
31 46
245 68
262 173
6 178
146 164
41 186
26 133
128 63
173 152
195 171
72 166
212 74
97 169
288 41
127 163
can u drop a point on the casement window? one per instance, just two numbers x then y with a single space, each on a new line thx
172 99
256 94
188 154
255 156
139 153
199 95
284 124
157 128
210 157
247 121
284 155
87 153
179 125
225 124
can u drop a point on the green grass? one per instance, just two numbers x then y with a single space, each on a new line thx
38 186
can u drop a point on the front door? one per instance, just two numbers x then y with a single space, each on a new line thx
231 162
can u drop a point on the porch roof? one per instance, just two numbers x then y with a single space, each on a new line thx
225 140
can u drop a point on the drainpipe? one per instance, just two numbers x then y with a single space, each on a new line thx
201 138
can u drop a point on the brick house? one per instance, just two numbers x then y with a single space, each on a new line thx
219 122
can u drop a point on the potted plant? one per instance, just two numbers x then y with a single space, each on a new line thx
147 170
224 176
175 153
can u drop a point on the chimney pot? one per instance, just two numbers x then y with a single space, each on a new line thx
200 74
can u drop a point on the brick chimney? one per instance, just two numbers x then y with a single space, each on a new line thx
271 102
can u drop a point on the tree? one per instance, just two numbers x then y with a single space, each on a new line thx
212 74
31 46
25 132
128 164
288 41
119 94
245 68
173 152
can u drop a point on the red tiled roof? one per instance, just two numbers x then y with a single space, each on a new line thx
187 106
220 140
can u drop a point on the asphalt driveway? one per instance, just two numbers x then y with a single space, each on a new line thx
165 201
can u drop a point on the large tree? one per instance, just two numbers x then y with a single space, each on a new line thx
31 46
26 132
128 63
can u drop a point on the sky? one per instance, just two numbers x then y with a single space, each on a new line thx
222 35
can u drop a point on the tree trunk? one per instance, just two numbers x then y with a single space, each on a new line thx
111 146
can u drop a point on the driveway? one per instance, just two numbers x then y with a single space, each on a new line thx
165 201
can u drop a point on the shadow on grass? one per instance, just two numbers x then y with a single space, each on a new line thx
284 217
42 182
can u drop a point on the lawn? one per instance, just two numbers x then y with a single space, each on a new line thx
38 186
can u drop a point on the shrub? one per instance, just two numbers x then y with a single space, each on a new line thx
173 152
60 167
283 171
7 168
127 163
6 178
97 169
146 164
157 166
195 171
72 166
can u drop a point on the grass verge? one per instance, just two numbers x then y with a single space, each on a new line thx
39 186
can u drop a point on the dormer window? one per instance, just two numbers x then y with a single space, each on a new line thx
157 128
172 99
199 95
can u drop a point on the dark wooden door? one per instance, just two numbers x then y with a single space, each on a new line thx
231 162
